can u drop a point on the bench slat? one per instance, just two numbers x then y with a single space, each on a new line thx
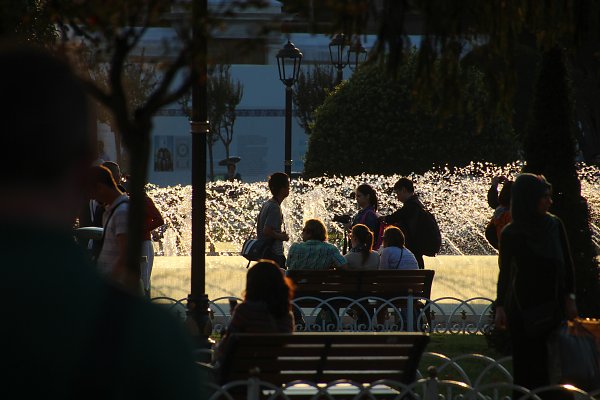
363 357
359 364
318 351
325 377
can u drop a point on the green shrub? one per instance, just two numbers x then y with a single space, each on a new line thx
373 123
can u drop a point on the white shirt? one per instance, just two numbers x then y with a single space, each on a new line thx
397 258
113 227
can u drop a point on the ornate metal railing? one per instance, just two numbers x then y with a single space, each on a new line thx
429 388
404 313
489 370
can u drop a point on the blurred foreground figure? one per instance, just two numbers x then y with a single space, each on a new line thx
66 332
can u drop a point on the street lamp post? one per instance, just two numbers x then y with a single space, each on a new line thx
289 59
198 321
338 54
357 54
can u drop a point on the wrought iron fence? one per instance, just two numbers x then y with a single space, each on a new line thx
430 388
403 313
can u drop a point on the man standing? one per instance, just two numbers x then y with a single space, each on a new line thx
270 218
72 335
103 188
407 217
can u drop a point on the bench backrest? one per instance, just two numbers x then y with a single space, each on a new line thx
323 357
362 283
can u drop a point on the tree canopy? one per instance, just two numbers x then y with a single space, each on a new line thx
373 123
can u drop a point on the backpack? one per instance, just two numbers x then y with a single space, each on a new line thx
427 236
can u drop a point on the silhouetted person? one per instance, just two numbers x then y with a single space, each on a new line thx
501 205
103 188
232 175
406 217
71 335
536 284
270 218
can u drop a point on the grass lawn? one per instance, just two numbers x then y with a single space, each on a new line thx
452 346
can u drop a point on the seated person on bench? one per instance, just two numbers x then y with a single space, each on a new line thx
266 307
314 252
393 253
361 254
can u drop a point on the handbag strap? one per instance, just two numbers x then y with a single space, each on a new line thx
258 218
400 260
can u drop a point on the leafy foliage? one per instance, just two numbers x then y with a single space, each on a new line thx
139 79
310 92
224 95
550 151
373 123
28 21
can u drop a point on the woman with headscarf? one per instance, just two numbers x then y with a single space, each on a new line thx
536 281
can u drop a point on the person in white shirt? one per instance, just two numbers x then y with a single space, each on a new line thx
393 254
361 255
103 188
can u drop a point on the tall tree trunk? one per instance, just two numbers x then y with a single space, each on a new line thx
550 150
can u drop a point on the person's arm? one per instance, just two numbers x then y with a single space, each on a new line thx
492 195
155 220
570 303
270 232
338 259
291 261
395 217
273 219
372 222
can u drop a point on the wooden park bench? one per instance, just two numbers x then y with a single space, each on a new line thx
322 357
314 286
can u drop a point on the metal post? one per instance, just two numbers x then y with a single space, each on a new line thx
197 305
340 75
288 130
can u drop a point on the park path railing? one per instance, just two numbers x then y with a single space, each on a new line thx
430 388
403 313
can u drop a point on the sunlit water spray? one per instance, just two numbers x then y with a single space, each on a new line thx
457 198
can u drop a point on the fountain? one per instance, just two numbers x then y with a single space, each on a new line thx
456 197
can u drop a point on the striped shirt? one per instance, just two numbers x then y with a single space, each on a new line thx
314 254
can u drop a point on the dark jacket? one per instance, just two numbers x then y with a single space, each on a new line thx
405 218
539 275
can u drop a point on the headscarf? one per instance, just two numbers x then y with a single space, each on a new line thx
542 231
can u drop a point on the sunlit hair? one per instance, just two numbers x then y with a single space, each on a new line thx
393 237
114 169
364 236
278 181
101 174
266 282
366 189
316 229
